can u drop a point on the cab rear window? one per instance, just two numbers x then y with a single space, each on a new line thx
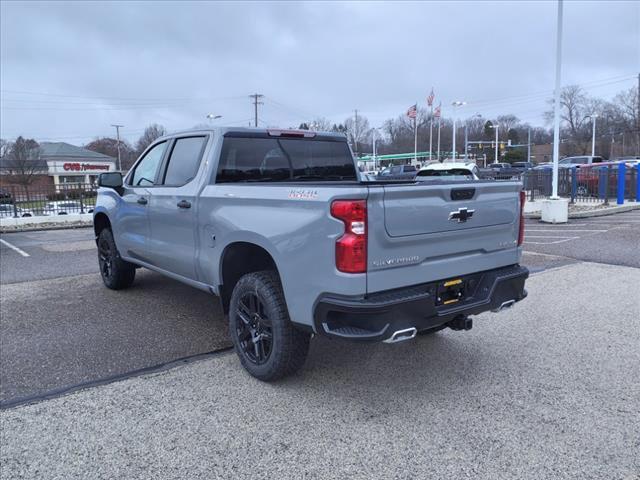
284 159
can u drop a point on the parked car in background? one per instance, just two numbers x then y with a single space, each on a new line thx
523 165
5 196
398 172
451 170
503 171
65 207
7 210
591 179
582 160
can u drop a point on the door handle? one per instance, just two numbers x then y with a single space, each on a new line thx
184 204
142 201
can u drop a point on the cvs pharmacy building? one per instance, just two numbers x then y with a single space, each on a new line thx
67 163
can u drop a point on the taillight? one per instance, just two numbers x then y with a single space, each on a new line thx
351 248
523 198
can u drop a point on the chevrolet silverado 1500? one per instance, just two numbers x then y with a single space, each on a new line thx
280 225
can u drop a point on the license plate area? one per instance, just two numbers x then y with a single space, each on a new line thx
451 292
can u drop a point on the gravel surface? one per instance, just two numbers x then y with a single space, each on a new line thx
548 389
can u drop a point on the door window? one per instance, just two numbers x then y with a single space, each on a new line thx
145 173
184 160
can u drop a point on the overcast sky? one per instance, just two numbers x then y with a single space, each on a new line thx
70 70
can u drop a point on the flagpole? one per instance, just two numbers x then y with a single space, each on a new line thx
438 157
431 135
415 138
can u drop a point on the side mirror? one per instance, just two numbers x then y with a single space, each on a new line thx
110 180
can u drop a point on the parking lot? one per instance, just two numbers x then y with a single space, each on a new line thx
545 390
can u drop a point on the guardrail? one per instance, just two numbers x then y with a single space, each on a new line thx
49 200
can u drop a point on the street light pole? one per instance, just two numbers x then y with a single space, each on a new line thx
466 139
593 134
455 104
495 127
556 108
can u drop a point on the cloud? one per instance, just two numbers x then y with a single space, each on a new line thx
140 62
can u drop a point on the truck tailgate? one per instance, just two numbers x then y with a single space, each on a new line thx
419 233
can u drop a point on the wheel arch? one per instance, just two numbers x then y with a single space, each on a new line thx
100 222
238 259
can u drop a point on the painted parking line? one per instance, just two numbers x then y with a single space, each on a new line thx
563 231
14 248
553 242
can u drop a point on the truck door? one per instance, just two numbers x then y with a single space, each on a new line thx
131 228
172 208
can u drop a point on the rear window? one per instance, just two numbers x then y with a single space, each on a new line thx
450 172
184 160
284 159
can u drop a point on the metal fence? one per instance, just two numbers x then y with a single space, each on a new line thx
48 200
587 184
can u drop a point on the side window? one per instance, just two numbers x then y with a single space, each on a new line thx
184 160
396 170
145 173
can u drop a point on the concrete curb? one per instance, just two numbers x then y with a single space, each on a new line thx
46 226
23 224
592 213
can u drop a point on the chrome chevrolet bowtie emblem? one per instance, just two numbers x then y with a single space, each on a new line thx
462 215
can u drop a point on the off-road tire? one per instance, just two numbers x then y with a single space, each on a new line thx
289 346
116 273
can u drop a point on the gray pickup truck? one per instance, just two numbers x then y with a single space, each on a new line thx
280 226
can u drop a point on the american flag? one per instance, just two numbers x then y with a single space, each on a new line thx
430 98
413 111
437 111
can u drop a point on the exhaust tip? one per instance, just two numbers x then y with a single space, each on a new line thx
402 335
504 306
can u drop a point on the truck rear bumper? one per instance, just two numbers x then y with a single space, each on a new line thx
378 316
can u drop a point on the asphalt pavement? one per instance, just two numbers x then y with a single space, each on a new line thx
61 328
546 390
511 398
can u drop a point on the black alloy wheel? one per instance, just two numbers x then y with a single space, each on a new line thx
254 328
105 258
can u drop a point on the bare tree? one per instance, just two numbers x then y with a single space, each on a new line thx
4 147
625 106
358 132
151 133
574 108
109 146
22 161
320 124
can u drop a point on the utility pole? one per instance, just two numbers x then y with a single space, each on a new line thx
256 101
529 145
118 127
